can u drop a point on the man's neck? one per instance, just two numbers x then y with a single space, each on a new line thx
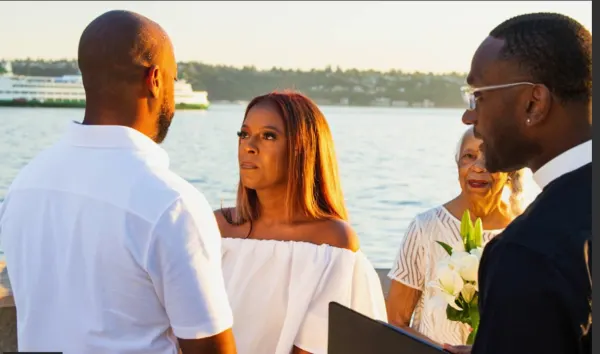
558 147
103 117
572 127
114 117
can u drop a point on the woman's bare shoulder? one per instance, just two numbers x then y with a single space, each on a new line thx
337 233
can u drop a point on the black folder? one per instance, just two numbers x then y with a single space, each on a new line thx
353 333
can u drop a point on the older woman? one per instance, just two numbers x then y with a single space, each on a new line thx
288 249
483 194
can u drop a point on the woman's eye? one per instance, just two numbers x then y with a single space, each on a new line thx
469 157
242 135
269 136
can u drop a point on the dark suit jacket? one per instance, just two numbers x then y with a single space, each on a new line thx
535 293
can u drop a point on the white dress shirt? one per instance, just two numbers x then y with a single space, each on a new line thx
564 163
108 251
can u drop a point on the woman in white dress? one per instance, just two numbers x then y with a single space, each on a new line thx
484 195
288 249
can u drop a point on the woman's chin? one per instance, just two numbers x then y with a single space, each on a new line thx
479 195
251 184
478 190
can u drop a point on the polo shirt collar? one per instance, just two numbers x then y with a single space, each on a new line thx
114 137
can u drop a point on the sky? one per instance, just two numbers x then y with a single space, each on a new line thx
424 36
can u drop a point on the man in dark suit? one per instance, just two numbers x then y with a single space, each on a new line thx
530 100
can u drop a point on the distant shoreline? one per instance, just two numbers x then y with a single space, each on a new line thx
228 103
324 104
328 86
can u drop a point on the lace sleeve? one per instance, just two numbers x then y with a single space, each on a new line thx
408 267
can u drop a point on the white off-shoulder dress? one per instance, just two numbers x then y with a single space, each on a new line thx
280 292
415 264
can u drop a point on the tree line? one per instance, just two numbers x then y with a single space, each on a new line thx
326 86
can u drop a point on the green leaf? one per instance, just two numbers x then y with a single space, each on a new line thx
471 337
469 315
474 316
477 233
473 319
466 230
446 247
465 225
455 315
458 315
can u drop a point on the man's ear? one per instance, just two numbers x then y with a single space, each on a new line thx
539 105
153 82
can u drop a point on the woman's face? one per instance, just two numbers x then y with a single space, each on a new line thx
262 149
475 181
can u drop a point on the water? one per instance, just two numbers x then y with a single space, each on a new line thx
394 162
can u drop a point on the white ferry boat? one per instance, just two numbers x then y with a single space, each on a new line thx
67 91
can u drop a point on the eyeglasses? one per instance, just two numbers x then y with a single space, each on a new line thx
468 92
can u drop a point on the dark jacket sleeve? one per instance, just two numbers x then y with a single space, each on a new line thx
522 305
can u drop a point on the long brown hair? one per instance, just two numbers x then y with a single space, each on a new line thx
313 184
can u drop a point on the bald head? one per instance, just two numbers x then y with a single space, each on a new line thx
121 46
128 67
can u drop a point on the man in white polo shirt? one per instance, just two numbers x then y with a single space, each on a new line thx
107 250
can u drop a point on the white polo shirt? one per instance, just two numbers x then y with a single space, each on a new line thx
107 249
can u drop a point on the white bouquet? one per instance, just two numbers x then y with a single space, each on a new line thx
456 275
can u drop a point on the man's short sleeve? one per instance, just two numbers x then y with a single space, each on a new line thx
184 264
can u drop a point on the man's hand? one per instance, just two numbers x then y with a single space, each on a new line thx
458 349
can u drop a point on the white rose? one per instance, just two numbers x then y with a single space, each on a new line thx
457 257
477 252
469 268
468 291
449 282
466 264
445 263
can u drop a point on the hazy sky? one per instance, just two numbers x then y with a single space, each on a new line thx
425 36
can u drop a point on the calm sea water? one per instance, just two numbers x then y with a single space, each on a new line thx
394 162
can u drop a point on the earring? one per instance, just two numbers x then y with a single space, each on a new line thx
528 121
